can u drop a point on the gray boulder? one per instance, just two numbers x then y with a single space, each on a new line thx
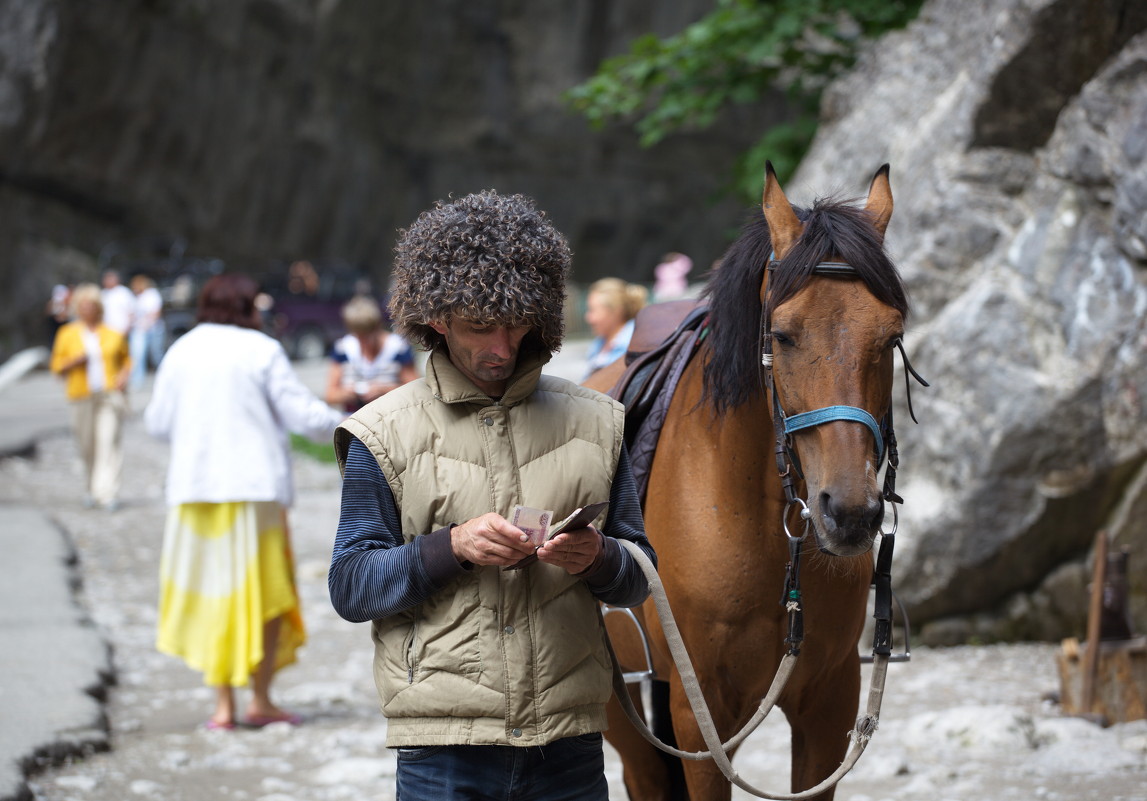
1017 135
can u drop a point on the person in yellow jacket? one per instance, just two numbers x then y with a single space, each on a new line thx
94 363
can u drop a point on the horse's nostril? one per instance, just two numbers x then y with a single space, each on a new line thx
868 515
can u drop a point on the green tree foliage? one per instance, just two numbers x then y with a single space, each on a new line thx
735 55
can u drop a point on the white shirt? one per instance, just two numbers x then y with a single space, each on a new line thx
226 397
119 306
148 305
95 363
385 368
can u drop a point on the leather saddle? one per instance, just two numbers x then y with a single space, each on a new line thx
660 329
665 337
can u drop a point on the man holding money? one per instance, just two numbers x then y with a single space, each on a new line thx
490 655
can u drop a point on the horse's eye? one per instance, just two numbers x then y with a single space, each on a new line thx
781 338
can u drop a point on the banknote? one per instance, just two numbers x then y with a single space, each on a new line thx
580 518
534 522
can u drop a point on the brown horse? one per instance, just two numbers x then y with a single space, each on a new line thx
715 505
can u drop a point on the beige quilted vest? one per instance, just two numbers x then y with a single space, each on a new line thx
498 657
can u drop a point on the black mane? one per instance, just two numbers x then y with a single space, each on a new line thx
832 230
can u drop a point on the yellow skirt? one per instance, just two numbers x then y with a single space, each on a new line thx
225 571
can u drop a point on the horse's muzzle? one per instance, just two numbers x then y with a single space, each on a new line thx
847 529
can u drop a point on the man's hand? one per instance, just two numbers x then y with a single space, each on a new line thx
489 540
573 551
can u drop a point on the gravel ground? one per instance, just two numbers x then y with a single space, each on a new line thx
961 723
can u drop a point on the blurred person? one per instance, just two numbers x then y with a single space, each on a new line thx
147 330
493 683
369 361
302 278
670 277
119 303
95 363
57 311
611 305
225 397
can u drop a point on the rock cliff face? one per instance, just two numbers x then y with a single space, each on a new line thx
260 130
1017 135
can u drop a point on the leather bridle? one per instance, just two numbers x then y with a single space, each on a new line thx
789 469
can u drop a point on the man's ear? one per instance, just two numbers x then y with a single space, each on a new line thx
438 326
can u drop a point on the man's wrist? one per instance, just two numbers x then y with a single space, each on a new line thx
599 560
438 556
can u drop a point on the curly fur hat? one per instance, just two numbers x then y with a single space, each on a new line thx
489 258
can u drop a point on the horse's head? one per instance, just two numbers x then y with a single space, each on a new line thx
834 310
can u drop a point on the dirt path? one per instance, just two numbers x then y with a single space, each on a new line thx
964 723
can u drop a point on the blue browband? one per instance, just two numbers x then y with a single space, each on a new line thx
830 413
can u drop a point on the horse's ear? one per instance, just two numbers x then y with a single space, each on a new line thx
880 200
784 227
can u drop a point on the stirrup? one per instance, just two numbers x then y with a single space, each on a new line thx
643 677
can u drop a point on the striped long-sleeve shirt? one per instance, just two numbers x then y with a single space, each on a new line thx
374 574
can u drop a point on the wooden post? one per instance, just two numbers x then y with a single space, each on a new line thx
1105 680
1094 612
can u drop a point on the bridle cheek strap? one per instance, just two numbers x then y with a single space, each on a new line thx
832 413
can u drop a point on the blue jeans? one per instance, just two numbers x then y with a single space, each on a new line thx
571 769
146 346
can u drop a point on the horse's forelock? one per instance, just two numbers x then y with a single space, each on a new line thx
832 229
842 230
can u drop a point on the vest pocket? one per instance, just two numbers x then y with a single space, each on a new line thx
408 646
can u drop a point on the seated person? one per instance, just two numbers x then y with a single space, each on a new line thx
369 361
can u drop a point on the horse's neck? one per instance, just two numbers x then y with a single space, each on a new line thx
719 471
752 420
742 436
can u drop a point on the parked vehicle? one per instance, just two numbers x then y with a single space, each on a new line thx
305 306
301 303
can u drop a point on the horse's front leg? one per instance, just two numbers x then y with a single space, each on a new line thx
820 726
703 778
718 647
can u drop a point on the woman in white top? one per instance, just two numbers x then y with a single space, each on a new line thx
147 328
369 361
225 396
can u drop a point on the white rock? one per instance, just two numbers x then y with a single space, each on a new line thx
971 727
356 770
81 783
146 787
